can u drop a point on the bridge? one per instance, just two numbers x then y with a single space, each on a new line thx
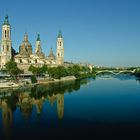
116 72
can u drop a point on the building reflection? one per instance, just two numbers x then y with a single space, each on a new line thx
60 106
36 97
25 104
52 99
7 118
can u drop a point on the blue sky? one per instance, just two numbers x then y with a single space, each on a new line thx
101 32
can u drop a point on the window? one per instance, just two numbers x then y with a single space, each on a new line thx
5 33
7 48
36 61
60 43
8 33
20 61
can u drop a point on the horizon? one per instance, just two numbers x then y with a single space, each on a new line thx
104 33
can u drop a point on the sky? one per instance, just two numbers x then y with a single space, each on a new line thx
101 32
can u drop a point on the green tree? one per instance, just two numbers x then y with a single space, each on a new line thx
70 71
33 79
12 69
57 72
38 70
76 71
33 69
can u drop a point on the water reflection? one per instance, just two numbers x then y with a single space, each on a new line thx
117 76
7 118
26 99
138 80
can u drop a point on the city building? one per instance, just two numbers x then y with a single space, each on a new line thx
26 56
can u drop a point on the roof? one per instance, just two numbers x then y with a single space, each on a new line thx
59 34
38 37
25 42
6 21
51 53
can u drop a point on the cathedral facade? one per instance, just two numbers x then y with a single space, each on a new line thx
26 56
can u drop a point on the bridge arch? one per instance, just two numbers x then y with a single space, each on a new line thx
116 72
106 71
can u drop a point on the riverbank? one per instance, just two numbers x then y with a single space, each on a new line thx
8 85
103 102
27 83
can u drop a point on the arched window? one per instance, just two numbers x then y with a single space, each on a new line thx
8 33
7 48
5 33
36 61
58 54
60 43
20 60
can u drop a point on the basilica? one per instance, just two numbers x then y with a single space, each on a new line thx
26 56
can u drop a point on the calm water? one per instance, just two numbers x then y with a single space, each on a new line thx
105 107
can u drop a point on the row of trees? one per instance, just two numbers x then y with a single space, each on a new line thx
61 71
37 71
53 72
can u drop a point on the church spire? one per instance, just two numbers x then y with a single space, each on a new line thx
6 20
59 34
51 53
25 37
38 37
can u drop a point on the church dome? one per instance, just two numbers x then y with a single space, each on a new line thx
26 43
25 47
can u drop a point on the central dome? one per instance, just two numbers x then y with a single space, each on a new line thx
25 48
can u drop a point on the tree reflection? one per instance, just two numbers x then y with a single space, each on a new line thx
25 99
50 89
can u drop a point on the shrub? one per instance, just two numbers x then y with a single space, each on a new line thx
33 79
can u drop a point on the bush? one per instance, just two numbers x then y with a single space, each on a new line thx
33 79
27 83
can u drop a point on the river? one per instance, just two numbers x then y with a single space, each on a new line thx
107 107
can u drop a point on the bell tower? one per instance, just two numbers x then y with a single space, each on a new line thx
60 49
38 44
6 43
